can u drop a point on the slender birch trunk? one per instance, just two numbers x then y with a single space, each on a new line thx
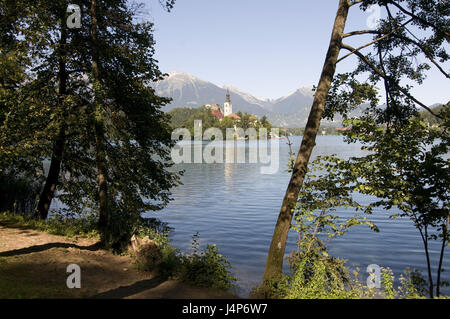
275 256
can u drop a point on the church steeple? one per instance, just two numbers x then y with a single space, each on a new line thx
227 106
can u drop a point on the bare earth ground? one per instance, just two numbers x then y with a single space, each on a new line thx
33 265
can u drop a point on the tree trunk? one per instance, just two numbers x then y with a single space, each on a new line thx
441 257
99 128
275 256
51 181
48 191
430 276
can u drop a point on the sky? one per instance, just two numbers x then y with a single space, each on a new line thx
265 48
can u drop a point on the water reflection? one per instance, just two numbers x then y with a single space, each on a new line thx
236 207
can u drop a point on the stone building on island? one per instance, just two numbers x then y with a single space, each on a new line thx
227 109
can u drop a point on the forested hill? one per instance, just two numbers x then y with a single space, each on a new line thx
430 118
185 117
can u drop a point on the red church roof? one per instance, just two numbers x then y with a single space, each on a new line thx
217 113
234 116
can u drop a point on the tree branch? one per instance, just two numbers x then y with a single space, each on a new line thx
381 73
417 43
429 57
346 35
417 17
374 41
352 3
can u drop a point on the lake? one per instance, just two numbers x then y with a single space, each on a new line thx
236 207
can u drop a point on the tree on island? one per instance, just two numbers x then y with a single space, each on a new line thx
185 117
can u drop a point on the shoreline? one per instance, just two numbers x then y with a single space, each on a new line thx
33 264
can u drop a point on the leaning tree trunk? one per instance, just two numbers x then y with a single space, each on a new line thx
51 181
441 257
100 147
274 262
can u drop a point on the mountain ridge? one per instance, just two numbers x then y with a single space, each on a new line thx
187 90
290 110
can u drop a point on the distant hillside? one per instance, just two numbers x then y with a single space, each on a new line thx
189 91
430 118
291 110
179 115
185 118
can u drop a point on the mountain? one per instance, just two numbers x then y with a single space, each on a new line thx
436 108
289 104
291 110
188 90
264 103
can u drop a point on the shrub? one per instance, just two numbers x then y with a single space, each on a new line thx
203 268
412 285
314 275
148 257
55 224
207 268
274 288
19 192
170 262
388 283
321 276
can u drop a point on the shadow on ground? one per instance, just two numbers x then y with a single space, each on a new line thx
40 248
133 289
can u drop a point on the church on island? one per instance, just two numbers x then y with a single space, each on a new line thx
227 109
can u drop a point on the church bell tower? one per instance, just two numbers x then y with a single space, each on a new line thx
227 106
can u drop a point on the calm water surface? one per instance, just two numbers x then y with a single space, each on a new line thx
236 207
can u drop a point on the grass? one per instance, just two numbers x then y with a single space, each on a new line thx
202 268
55 225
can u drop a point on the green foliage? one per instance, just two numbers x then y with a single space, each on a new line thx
406 165
324 130
56 224
388 283
18 194
274 288
148 257
412 285
429 118
347 94
206 268
407 168
316 274
155 229
170 263
321 277
179 116
35 110
162 257
185 117
319 197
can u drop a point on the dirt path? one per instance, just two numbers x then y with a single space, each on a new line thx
33 265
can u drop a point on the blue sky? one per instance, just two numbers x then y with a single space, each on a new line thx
265 48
